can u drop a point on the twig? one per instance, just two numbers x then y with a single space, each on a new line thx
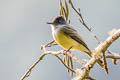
62 52
74 58
48 45
105 63
65 64
113 55
42 47
51 53
30 69
27 74
83 22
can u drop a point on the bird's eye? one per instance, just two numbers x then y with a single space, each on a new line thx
58 21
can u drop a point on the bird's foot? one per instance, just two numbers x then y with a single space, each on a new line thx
65 51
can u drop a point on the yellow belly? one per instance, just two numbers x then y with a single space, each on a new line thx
66 41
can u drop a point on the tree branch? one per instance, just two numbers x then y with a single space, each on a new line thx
54 53
30 69
83 22
82 73
113 55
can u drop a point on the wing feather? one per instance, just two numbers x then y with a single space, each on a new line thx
74 35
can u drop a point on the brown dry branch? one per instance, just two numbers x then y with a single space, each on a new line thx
54 53
114 56
27 74
50 44
84 72
82 21
75 58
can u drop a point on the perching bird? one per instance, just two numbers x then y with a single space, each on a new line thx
67 37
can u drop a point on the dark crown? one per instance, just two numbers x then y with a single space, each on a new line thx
59 20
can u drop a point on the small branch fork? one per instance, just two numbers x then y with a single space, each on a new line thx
54 54
113 56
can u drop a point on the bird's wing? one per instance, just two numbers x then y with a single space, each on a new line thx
74 35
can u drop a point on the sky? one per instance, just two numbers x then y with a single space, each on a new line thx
23 29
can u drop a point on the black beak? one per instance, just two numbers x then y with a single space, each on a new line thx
50 23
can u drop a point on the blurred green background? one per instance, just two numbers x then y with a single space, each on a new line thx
23 29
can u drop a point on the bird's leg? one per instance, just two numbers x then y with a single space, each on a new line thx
68 50
65 51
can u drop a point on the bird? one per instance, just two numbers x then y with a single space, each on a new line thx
68 38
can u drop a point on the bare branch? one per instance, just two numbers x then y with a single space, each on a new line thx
74 58
113 55
105 64
65 64
83 22
48 45
96 55
54 54
30 69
